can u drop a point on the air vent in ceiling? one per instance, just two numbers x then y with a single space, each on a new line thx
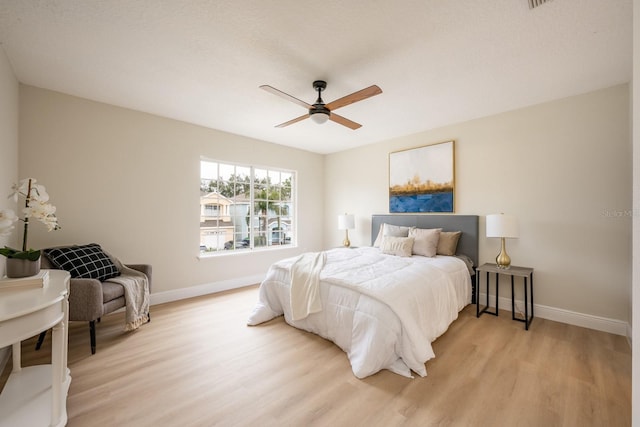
536 3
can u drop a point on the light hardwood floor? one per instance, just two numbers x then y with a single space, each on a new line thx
197 364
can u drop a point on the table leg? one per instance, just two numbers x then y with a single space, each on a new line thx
57 357
478 285
487 292
477 294
497 287
526 306
531 287
513 300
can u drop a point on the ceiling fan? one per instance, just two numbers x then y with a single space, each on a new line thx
321 112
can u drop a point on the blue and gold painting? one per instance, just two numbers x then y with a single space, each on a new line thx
422 179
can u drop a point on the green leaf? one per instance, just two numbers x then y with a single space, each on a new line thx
8 252
31 254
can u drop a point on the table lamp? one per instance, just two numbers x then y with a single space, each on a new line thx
346 222
504 227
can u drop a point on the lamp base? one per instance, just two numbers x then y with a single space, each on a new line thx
346 243
503 260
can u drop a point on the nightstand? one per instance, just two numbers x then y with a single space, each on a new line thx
525 272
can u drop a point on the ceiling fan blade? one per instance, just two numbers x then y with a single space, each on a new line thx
281 94
354 97
290 122
344 121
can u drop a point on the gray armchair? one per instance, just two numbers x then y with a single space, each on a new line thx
90 299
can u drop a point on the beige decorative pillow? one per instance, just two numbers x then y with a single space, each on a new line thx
390 230
425 241
400 246
448 243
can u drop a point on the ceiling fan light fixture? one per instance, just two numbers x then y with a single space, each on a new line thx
319 117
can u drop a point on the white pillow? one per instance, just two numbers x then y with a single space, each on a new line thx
390 230
400 246
425 241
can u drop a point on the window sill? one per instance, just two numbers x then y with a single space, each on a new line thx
223 253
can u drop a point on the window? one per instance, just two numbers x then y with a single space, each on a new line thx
245 207
210 210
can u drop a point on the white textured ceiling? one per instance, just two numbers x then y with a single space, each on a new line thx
437 61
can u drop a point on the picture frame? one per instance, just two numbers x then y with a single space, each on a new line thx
422 179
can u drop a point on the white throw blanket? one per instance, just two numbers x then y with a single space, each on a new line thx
136 294
305 284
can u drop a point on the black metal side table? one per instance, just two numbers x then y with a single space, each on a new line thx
525 272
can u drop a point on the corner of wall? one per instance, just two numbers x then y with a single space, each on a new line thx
9 105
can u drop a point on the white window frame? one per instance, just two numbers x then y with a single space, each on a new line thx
272 241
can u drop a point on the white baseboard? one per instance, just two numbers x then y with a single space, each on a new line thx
598 323
205 289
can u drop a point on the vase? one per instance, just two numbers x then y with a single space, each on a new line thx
22 267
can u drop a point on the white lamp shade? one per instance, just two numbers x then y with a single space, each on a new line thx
346 222
501 225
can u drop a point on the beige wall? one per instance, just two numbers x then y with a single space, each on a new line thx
8 142
130 181
563 168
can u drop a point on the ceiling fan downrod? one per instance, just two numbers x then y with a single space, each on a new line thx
320 85
319 112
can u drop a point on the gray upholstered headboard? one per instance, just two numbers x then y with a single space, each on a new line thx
468 224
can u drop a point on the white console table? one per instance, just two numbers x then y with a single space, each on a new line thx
36 395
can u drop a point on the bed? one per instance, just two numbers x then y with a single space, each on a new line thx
381 306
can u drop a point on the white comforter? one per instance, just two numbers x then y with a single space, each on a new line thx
384 311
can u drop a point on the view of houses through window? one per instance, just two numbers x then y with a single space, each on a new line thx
245 207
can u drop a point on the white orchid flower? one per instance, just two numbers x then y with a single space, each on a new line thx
15 192
24 184
6 227
22 189
7 218
36 207
38 192
8 215
43 212
51 222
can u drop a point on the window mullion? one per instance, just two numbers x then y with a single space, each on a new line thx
251 209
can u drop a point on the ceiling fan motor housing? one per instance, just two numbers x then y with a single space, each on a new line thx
319 109
319 85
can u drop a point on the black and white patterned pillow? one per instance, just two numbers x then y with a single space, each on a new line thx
85 262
